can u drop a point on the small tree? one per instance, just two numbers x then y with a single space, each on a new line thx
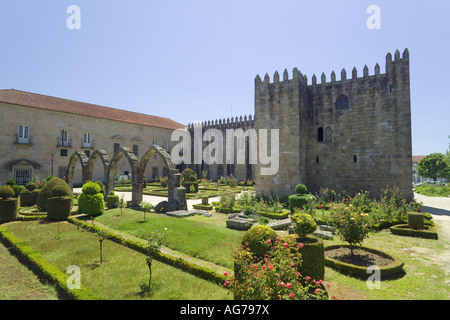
352 228
153 249
103 236
122 204
146 207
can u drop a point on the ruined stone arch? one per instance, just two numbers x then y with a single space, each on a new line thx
104 157
71 167
149 155
134 165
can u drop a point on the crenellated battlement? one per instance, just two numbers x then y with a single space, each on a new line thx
229 123
298 77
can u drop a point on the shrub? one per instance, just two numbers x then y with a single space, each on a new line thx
415 220
31 186
8 209
257 239
59 191
58 207
352 228
91 204
10 182
91 188
187 173
112 201
164 182
301 189
232 182
274 277
46 192
6 192
49 178
299 201
28 198
303 224
17 190
313 256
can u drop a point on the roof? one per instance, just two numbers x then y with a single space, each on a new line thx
416 159
44 102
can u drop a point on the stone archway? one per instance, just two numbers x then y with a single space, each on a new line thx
71 167
137 185
176 194
104 157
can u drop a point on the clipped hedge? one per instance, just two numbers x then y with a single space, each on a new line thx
298 201
8 209
386 272
58 208
278 216
194 269
91 204
46 192
43 268
313 257
415 220
429 232
28 198
200 206
112 201
256 239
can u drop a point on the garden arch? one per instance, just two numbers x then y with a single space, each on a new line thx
176 193
71 167
104 157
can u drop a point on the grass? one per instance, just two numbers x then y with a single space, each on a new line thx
19 283
433 191
424 278
198 236
123 270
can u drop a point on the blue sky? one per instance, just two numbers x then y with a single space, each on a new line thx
197 60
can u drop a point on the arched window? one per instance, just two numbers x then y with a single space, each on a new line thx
342 102
320 134
328 134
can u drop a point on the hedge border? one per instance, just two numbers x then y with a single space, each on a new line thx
180 263
43 268
405 230
389 271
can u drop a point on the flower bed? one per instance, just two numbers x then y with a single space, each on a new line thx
364 257
428 232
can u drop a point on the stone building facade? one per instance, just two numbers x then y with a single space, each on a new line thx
349 135
39 135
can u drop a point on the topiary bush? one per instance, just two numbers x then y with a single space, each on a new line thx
233 182
112 201
415 220
312 250
17 190
299 201
91 201
9 205
304 224
91 188
10 182
46 192
257 239
301 189
6 192
31 186
58 208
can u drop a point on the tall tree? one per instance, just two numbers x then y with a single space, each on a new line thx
434 166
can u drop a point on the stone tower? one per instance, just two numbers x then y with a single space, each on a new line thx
348 135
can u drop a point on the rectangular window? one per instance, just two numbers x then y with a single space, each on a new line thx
155 142
63 152
154 173
136 150
22 176
64 138
165 146
23 135
86 140
165 172
62 172
116 147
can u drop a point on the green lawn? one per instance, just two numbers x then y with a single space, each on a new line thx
198 236
433 191
123 270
